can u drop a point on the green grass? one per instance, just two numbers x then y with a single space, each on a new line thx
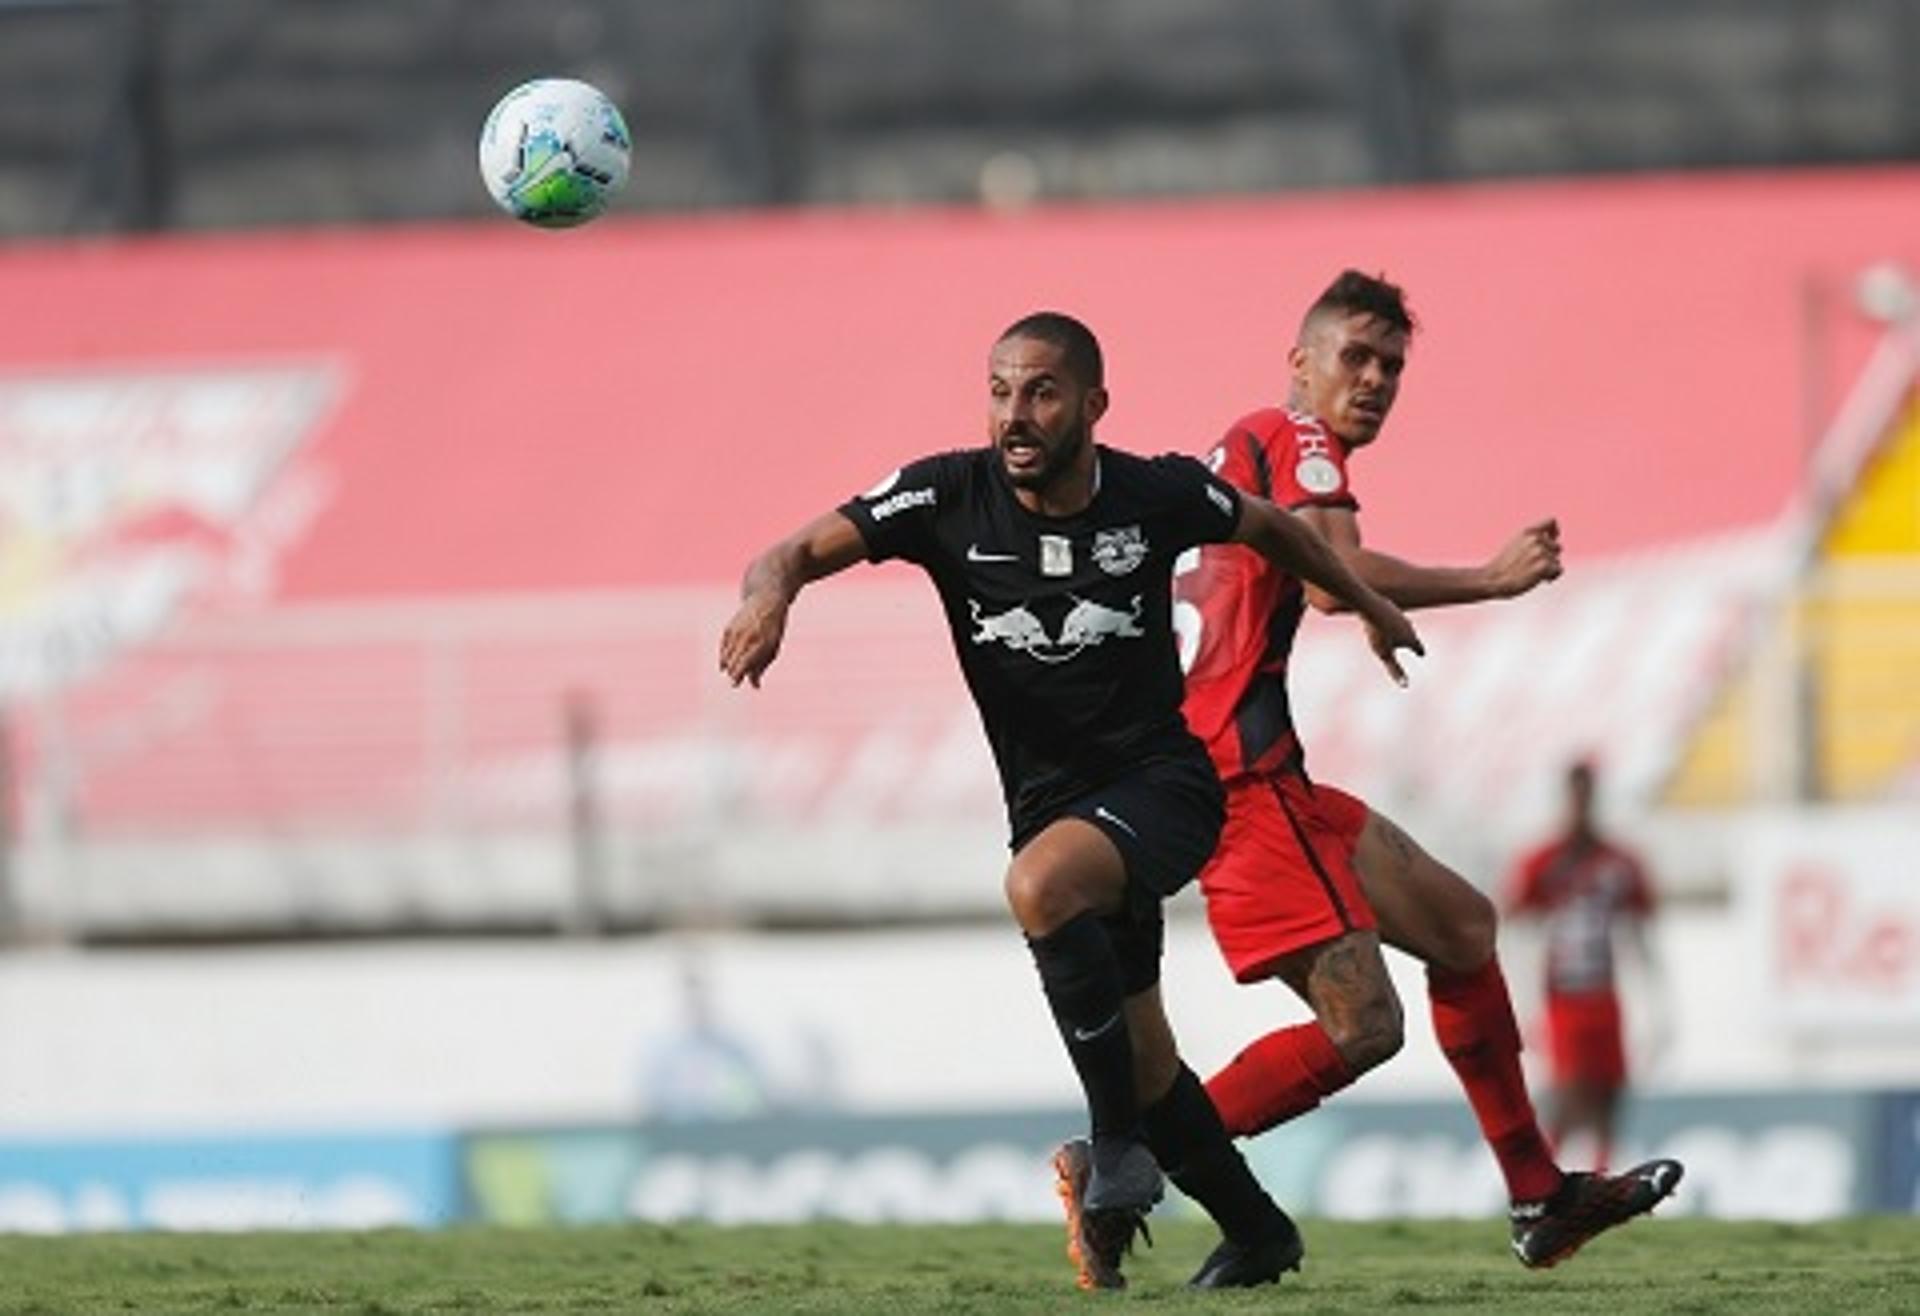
1688 1266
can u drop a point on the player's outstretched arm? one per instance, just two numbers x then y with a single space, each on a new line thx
1530 558
1296 548
751 642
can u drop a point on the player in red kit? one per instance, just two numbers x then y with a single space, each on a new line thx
1307 881
1585 888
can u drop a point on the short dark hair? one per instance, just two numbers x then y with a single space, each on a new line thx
1078 346
1354 293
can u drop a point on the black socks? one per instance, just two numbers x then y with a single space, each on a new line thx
1081 977
1186 1136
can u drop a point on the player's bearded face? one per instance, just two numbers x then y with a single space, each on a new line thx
1039 418
1346 371
1034 458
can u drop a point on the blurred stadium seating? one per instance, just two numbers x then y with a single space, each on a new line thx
301 589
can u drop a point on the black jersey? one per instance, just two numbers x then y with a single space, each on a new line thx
1063 625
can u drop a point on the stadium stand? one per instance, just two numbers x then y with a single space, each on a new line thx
361 527
1838 653
202 114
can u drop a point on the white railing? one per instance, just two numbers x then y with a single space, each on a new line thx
574 761
510 761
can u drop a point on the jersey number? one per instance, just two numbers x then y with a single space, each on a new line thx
1187 621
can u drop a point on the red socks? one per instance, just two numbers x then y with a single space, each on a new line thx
1285 1073
1473 1018
1288 1072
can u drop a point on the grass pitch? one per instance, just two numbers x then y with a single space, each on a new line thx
1693 1266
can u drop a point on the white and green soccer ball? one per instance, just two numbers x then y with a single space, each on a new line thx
554 151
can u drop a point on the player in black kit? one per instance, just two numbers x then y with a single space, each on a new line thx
1053 559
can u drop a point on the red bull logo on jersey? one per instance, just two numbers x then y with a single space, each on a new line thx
1017 628
1086 625
124 494
1118 552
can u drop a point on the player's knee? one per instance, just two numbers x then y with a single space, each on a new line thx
1369 1035
1027 898
1040 898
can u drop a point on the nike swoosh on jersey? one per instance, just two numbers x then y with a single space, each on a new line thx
976 554
1088 1034
1102 811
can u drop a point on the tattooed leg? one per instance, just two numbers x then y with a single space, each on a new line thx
1291 1070
1345 981
1424 908
1437 916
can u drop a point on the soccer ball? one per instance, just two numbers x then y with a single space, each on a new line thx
554 151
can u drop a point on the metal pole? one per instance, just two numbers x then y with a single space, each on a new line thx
151 206
588 914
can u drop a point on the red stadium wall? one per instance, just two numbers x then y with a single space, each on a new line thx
644 403
436 417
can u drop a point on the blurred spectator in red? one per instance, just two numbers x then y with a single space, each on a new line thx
1585 888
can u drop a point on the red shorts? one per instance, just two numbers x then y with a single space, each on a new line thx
1283 878
1586 1040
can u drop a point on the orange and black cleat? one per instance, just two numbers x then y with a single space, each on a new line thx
1099 1237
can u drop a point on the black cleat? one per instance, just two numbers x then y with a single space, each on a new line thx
1126 1187
1123 1177
1248 1265
1548 1232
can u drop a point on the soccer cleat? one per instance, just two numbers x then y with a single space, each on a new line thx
1547 1232
1099 1236
1244 1266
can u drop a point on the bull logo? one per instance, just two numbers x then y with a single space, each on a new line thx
1086 625
1119 551
127 497
1090 623
1017 628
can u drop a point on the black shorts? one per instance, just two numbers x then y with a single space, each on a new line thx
1165 820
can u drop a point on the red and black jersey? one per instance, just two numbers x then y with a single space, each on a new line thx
1582 890
1236 613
